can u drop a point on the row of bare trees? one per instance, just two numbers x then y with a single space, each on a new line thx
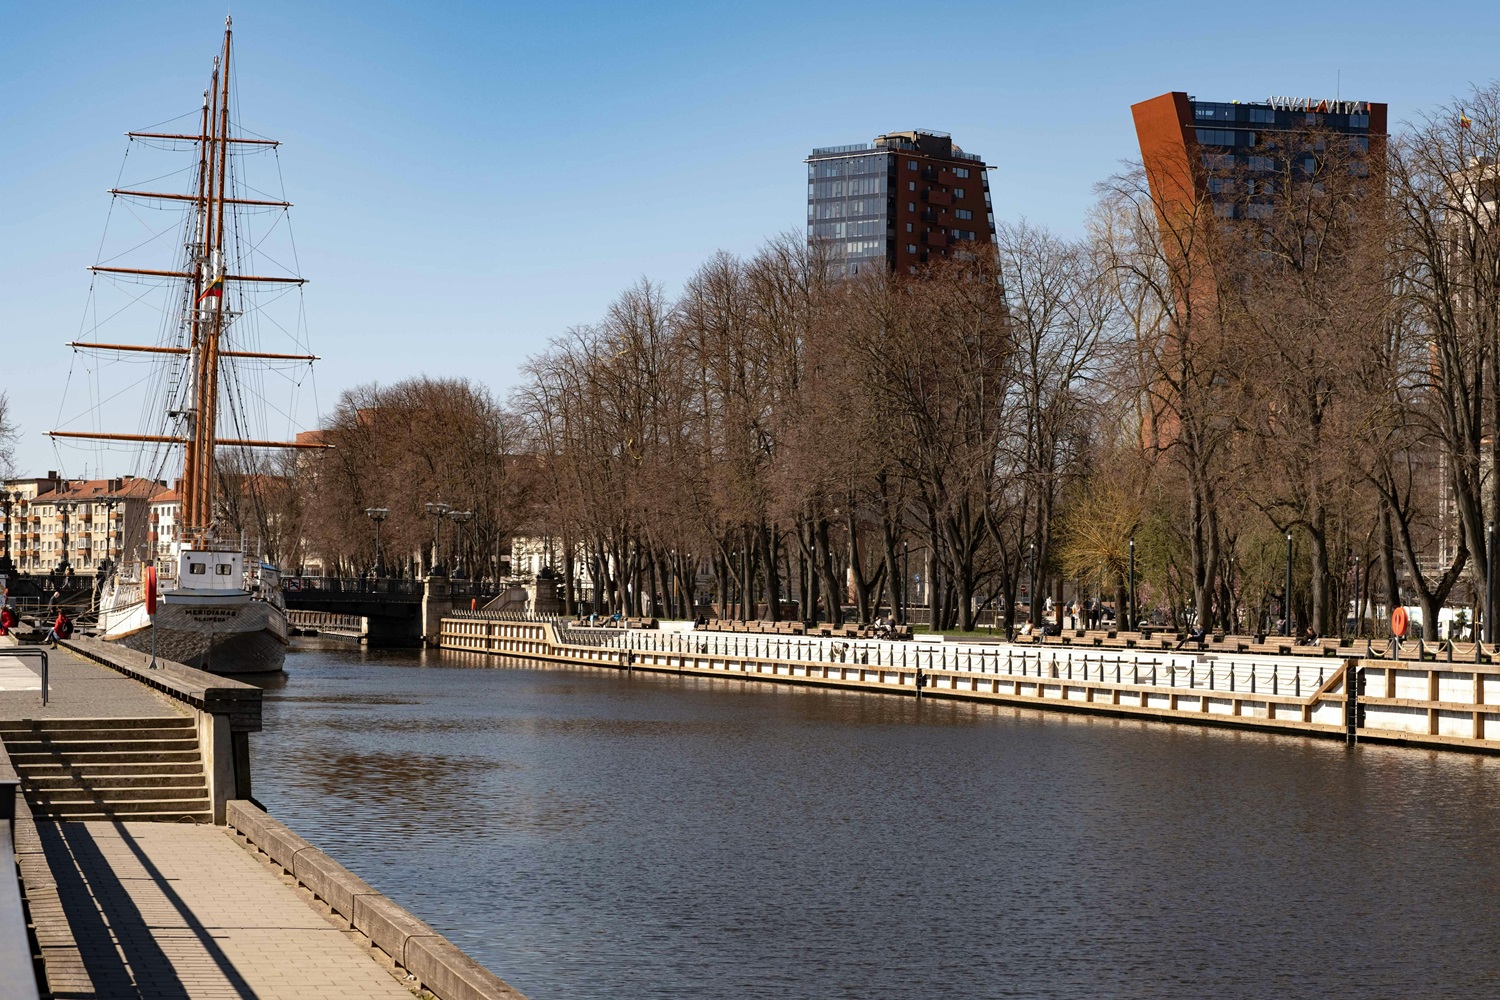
807 438
1310 350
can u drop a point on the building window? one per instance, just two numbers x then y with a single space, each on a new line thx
1256 210
1223 211
911 164
1262 163
958 192
961 173
1216 136
1219 185
1263 116
911 248
963 213
911 185
911 206
1359 121
1359 143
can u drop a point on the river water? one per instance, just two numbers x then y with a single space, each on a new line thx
585 833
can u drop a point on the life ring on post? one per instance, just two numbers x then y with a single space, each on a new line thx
151 591
1400 623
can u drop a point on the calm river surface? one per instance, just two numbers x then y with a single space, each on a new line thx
590 834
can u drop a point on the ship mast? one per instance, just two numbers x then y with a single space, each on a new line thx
208 309
208 314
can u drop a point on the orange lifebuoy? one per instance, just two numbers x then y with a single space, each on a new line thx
1400 622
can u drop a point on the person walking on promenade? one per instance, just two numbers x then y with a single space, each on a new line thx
7 619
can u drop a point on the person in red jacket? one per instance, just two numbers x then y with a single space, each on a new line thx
61 629
7 620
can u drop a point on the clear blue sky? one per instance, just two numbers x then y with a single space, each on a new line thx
471 179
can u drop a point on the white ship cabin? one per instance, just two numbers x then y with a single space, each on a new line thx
208 570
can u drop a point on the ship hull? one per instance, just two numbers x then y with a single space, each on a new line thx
249 637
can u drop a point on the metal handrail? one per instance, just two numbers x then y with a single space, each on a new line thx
30 651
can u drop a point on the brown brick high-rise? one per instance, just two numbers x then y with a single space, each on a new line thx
897 202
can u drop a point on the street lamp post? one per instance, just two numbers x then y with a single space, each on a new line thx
1130 624
1286 601
460 518
1489 583
64 507
1031 583
378 514
8 501
1359 611
905 582
438 511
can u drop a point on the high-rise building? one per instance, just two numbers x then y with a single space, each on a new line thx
1235 153
897 202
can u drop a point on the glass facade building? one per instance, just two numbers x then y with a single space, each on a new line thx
897 201
1237 153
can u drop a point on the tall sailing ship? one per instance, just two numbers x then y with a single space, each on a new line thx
218 603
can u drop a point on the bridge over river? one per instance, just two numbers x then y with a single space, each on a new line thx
395 612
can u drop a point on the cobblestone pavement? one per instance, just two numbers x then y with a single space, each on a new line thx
170 911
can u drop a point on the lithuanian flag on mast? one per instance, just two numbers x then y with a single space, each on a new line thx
215 289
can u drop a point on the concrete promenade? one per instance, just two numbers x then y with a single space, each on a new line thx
164 910
79 689
181 910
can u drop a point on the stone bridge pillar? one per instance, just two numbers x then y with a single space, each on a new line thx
437 604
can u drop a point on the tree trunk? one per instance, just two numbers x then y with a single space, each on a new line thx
831 588
768 570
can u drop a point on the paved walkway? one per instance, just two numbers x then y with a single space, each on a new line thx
77 689
174 911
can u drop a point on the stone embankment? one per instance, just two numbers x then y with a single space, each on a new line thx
127 899
434 963
1352 697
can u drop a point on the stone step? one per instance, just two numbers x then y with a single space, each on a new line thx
129 809
151 779
110 735
24 759
180 816
59 796
52 767
8 726
70 747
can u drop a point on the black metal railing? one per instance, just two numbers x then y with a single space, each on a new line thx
348 585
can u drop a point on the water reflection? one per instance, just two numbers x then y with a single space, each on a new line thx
591 834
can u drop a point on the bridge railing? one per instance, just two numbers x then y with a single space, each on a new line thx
505 616
395 586
348 585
